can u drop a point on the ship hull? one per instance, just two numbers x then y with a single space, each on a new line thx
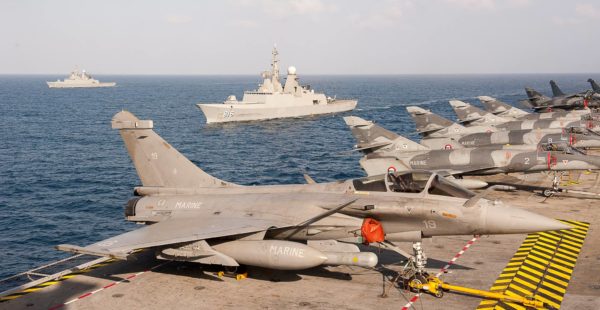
241 112
76 85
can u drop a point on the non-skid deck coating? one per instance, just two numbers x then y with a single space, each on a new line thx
541 268
132 285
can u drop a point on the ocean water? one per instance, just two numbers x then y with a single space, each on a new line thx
65 175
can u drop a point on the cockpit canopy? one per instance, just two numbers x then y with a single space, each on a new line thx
413 182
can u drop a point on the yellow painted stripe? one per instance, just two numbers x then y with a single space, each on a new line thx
53 282
563 247
539 275
521 288
556 239
554 287
541 267
545 259
570 259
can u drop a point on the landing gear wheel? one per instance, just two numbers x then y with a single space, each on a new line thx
415 282
548 192
439 294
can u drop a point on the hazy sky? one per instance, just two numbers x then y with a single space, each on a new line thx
317 36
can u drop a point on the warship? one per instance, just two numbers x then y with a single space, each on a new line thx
272 100
79 79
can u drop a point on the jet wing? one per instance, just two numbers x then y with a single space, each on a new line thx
173 230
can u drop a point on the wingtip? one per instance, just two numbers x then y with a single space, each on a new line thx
354 121
127 120
486 98
415 110
458 103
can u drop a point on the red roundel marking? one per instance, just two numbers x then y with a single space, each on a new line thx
391 169
448 147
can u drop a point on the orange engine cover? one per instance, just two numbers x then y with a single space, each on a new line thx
372 231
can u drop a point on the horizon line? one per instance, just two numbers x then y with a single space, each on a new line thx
311 74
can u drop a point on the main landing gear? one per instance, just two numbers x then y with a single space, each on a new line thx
549 192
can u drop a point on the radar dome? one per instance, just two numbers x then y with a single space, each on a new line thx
291 70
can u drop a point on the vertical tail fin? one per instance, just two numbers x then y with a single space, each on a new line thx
427 122
535 98
556 92
371 137
595 86
472 115
158 163
432 125
534 94
496 106
466 112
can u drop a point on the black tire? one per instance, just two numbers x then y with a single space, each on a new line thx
548 193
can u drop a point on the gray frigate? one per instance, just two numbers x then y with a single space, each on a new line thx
272 100
79 79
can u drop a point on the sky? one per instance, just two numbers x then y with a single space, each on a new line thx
191 37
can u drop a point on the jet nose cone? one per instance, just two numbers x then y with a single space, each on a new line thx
502 219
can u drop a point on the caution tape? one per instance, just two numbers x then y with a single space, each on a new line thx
53 282
443 270
541 268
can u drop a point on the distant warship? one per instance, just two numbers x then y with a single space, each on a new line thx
79 79
271 100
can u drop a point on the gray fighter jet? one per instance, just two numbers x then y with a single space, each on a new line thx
470 115
595 86
385 150
560 101
508 111
440 133
195 217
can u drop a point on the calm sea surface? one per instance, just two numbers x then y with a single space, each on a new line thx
65 175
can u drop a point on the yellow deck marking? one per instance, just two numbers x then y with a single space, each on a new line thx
541 268
53 282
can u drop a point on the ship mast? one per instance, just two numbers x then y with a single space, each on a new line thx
275 71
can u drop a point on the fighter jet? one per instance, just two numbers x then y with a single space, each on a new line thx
539 102
440 133
386 150
470 115
194 217
507 111
557 92
595 86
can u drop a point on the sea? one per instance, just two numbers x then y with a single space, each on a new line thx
65 174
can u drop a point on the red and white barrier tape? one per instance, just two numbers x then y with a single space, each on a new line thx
105 287
443 270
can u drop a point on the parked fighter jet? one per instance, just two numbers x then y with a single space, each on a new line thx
507 111
440 133
470 115
385 149
539 102
595 86
557 92
193 216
